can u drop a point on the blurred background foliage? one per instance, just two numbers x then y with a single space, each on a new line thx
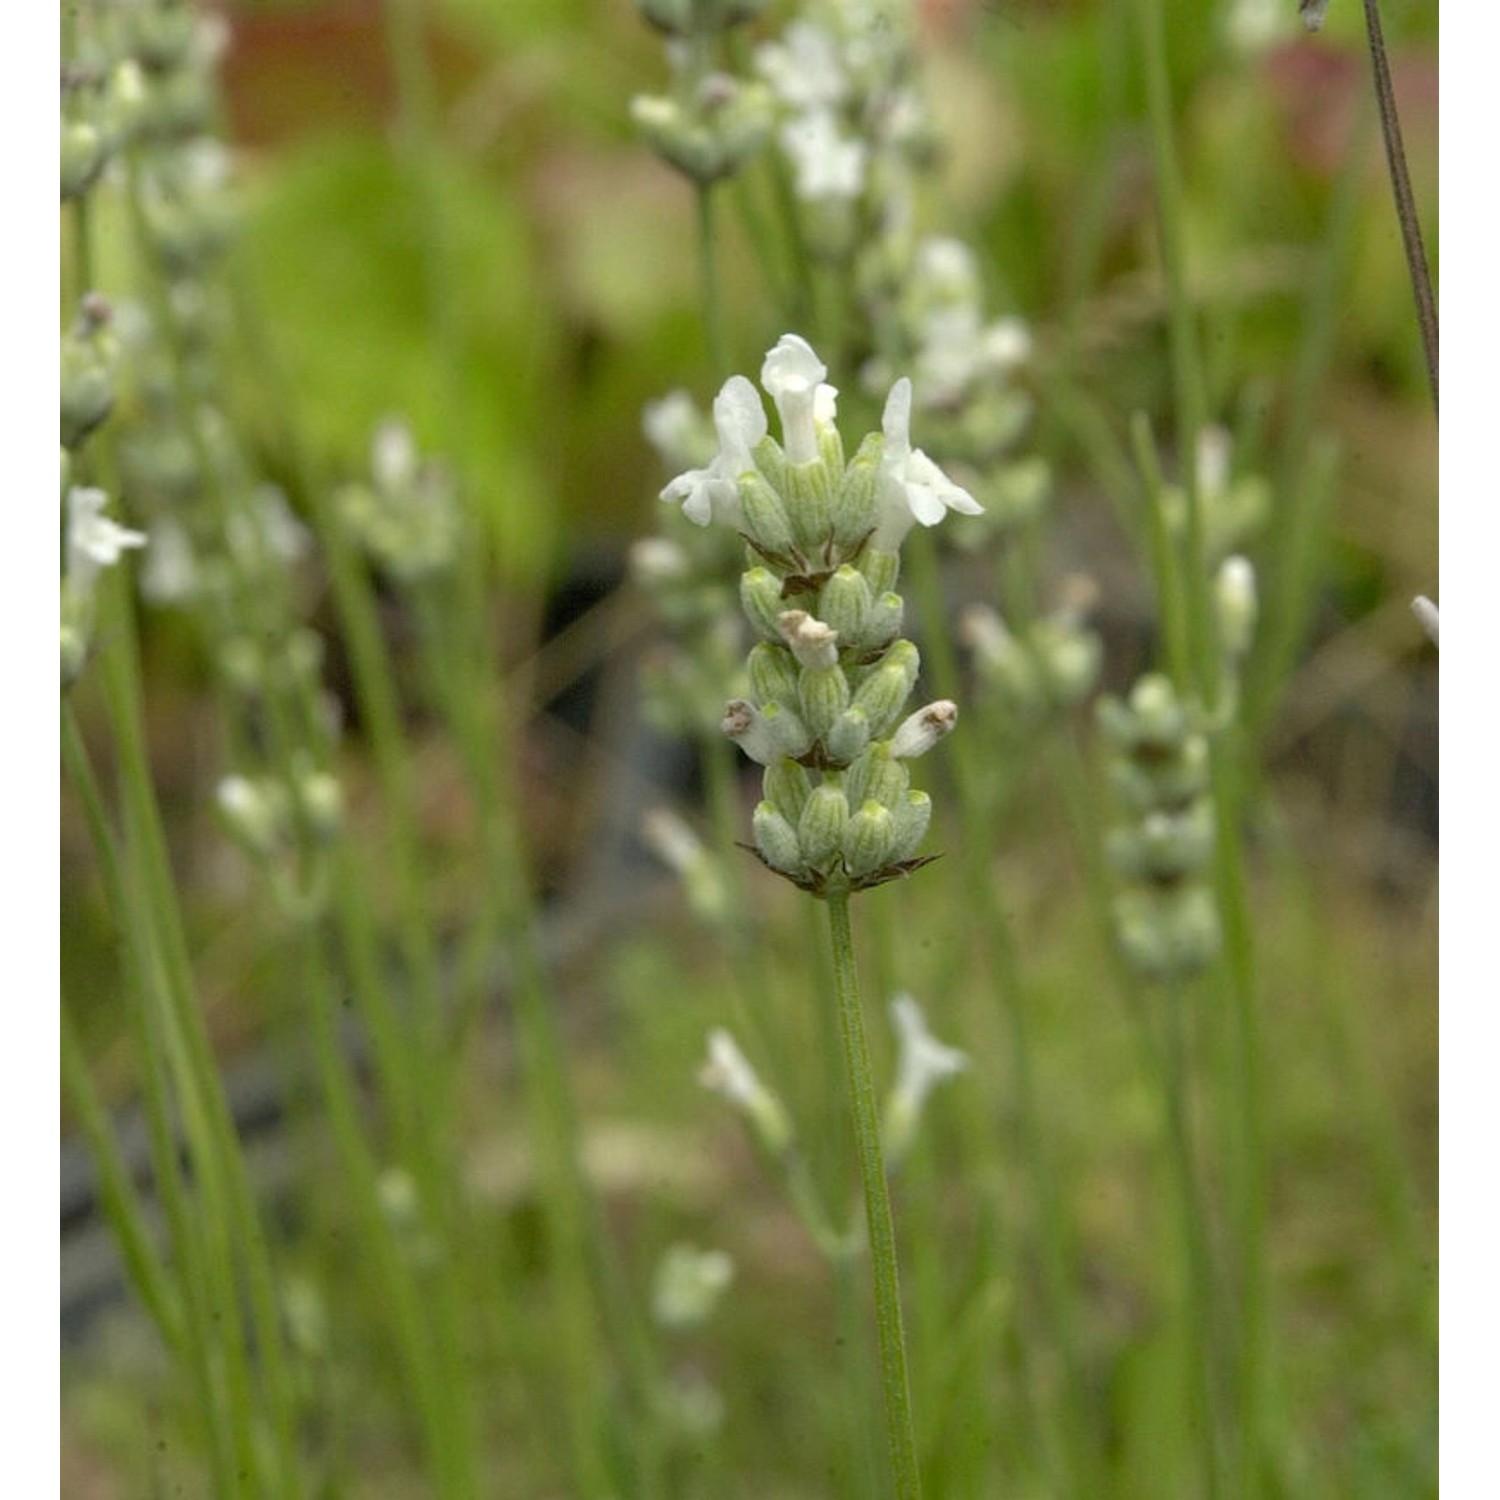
572 253
567 292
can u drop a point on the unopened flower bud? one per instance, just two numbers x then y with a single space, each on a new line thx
252 812
882 568
909 820
868 837
86 392
81 158
855 507
821 826
322 803
776 839
922 730
823 693
773 674
810 495
1168 934
883 694
1164 846
760 596
848 736
765 514
1235 603
879 777
885 620
787 788
845 602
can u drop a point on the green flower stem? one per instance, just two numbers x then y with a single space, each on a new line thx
759 236
1187 375
1406 203
354 599
1303 491
445 1417
116 1190
433 1343
858 1461
1245 1087
1197 1265
900 1434
231 1218
709 289
1166 558
979 809
718 762
122 1204
1187 369
507 915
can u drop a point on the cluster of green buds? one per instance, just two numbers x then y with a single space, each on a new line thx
1041 669
711 122
406 516
173 48
122 80
283 825
830 675
853 130
1166 915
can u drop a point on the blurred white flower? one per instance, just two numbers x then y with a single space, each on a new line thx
921 1063
805 69
94 541
828 164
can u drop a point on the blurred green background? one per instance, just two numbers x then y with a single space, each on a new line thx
568 290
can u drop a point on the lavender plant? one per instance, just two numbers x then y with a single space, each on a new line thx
830 679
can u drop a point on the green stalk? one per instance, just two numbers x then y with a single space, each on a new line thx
708 278
508 914
1187 369
900 1434
978 812
230 1213
1197 1265
443 1415
1166 560
117 1194
116 1191
1188 386
1406 203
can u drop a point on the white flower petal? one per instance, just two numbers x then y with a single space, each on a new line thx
740 420
793 377
94 541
